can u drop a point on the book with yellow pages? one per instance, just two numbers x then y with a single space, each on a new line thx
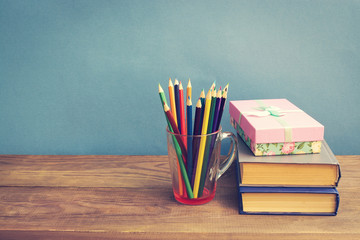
288 201
305 170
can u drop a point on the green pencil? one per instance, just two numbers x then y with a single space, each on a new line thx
162 95
163 102
212 110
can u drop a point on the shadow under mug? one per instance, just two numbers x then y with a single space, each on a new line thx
196 164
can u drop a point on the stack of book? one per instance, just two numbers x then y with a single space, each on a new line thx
284 164
288 184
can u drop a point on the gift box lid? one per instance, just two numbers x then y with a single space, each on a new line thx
275 121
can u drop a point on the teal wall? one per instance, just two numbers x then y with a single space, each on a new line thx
81 77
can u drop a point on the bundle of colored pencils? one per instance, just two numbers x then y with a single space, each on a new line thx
193 152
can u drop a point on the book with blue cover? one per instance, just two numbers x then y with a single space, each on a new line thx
288 201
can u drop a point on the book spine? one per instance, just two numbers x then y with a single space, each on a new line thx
337 204
238 177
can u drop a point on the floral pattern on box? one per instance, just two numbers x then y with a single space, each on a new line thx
267 149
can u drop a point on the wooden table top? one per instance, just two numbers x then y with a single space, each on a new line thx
130 197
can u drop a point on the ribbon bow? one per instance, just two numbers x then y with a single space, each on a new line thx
266 111
277 112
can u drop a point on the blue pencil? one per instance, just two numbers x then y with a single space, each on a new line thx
177 103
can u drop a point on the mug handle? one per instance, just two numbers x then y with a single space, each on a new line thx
231 154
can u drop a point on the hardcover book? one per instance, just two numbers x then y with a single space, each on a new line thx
288 201
306 170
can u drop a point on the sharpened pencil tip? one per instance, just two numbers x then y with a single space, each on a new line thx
198 104
160 89
166 107
202 94
212 86
224 95
213 93
218 95
208 95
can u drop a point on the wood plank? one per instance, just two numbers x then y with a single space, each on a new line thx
56 235
100 171
84 171
149 210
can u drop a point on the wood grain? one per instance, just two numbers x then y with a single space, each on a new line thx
130 197
84 171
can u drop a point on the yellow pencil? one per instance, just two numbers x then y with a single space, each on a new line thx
202 144
188 95
188 90
172 101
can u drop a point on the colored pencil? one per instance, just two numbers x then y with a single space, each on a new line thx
188 94
196 139
207 150
177 103
189 137
212 111
182 113
212 86
163 102
162 95
196 147
226 88
217 108
188 90
221 109
202 144
181 156
202 99
172 100
176 131
197 118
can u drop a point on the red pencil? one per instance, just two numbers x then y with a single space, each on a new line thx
176 131
182 113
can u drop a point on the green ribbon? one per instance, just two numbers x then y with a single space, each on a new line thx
275 113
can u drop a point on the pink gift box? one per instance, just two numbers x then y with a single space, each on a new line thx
275 127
